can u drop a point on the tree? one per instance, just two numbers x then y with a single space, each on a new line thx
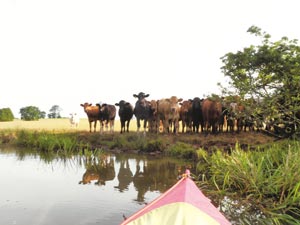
268 73
54 112
31 113
6 114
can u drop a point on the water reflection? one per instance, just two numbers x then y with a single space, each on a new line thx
144 172
80 189
99 170
125 175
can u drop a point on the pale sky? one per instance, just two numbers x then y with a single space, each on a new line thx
67 52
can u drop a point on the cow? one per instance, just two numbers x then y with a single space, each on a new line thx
74 120
125 113
100 172
212 111
107 116
92 113
141 110
152 124
197 115
168 112
185 114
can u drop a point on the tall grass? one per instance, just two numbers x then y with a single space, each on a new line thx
47 141
270 177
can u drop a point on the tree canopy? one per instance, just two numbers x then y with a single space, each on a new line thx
31 113
54 112
268 73
6 114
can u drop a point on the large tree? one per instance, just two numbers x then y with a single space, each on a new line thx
6 114
55 112
269 73
31 113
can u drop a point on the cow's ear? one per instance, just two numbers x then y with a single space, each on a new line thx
82 105
90 104
135 96
147 95
180 103
179 100
117 104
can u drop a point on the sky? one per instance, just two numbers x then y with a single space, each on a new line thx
68 52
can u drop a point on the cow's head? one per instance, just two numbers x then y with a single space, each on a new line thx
174 103
86 105
141 96
185 106
121 103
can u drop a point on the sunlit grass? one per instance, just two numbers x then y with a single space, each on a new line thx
268 179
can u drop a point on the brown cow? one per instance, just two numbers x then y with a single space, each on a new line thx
212 111
168 112
99 172
152 124
92 113
185 113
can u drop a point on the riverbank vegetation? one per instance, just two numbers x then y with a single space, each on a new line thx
263 175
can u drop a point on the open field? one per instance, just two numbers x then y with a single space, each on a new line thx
57 125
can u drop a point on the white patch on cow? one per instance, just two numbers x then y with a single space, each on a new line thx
74 120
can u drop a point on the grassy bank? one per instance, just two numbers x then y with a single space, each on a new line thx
264 180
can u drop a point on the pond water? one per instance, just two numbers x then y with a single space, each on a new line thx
50 189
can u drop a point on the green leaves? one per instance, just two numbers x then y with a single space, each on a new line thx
269 71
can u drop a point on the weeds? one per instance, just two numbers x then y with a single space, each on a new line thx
270 177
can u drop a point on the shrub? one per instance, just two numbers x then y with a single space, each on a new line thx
6 115
182 150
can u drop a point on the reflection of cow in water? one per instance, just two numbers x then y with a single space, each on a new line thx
124 176
100 171
155 176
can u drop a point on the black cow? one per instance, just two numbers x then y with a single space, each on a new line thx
141 110
107 115
197 116
125 114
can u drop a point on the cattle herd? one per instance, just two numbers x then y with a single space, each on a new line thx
196 115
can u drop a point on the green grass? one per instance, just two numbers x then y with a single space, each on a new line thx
268 179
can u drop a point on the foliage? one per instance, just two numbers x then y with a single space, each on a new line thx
6 114
47 141
270 177
269 74
31 113
54 112
182 150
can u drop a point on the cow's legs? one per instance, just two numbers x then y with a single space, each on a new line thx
112 123
145 126
95 124
101 127
90 126
138 125
128 122
122 126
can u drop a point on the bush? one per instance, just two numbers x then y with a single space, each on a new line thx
182 150
6 115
